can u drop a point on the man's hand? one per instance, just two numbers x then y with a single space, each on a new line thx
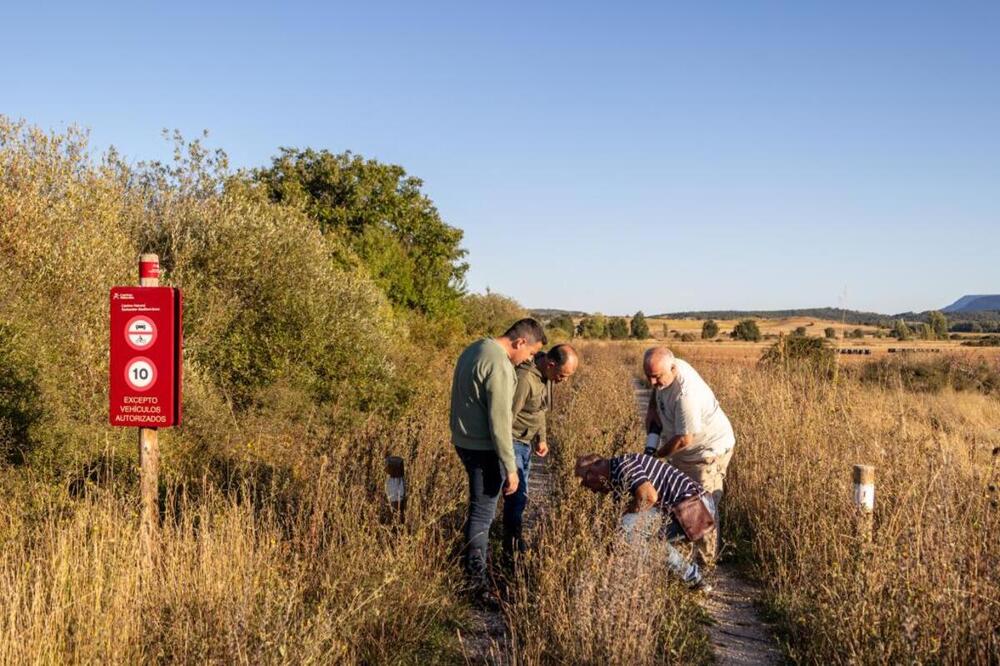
671 446
510 487
542 449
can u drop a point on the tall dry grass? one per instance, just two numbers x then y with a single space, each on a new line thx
927 589
584 597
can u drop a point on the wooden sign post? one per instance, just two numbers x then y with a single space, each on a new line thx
395 488
144 389
864 499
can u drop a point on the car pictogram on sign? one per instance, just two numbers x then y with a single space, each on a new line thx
140 332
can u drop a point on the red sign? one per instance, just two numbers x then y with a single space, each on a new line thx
146 340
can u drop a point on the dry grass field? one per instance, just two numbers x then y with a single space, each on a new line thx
260 572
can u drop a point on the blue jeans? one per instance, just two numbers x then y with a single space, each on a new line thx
486 478
513 505
643 526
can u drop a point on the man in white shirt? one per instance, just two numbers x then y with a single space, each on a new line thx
686 425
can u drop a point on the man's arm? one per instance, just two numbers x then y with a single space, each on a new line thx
499 398
671 446
643 497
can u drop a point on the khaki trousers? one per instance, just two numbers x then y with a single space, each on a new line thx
710 473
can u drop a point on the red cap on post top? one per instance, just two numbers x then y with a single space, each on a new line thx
149 266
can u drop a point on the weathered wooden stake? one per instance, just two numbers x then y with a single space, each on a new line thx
864 499
149 446
395 487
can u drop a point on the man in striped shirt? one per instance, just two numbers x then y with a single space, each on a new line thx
652 487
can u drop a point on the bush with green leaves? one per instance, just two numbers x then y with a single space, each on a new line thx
901 331
617 328
746 330
638 328
709 329
490 314
383 215
563 323
938 324
802 353
800 331
272 306
20 404
593 327
830 333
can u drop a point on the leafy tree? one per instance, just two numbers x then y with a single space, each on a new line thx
709 329
746 330
617 328
489 314
383 216
563 323
593 327
799 332
857 334
939 325
799 352
901 331
926 332
830 332
638 327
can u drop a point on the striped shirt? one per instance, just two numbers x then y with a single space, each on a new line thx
631 470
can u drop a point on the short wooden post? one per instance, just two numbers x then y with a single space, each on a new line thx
149 446
395 488
864 499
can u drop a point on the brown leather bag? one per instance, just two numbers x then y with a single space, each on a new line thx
693 517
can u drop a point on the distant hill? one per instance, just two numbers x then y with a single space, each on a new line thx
835 314
974 303
549 313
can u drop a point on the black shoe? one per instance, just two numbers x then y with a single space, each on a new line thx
485 600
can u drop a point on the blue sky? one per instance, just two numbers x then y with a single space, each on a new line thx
598 156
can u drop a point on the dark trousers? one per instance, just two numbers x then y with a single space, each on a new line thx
513 505
486 479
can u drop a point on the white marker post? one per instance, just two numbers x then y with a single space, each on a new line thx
149 444
864 499
395 488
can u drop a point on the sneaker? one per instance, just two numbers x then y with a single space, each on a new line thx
701 585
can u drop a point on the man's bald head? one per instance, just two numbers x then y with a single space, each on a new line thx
658 364
560 363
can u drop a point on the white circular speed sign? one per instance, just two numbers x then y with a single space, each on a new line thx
140 332
140 374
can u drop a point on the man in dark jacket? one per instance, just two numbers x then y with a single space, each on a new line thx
532 400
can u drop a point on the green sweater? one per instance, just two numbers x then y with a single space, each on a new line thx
482 393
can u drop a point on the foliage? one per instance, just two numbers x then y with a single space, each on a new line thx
802 353
746 330
858 334
563 323
709 329
830 332
490 314
687 337
983 341
617 328
20 404
932 376
593 327
901 331
638 328
383 215
800 331
938 324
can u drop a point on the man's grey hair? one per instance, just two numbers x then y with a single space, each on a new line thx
654 354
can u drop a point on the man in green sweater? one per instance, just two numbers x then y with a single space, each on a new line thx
482 394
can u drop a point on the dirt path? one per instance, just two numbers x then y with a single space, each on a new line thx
488 642
739 635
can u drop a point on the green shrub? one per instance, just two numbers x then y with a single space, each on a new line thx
746 330
932 376
617 328
802 353
709 329
490 314
830 333
20 403
638 328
